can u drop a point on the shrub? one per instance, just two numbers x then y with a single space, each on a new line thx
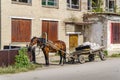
106 53
22 64
22 59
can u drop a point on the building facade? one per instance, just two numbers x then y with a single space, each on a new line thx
20 20
23 19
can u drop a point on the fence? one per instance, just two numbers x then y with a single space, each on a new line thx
7 57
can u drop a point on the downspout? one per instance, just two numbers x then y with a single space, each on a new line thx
0 23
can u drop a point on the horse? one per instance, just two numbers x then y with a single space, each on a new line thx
46 48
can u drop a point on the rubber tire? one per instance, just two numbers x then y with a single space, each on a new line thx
91 57
102 56
81 59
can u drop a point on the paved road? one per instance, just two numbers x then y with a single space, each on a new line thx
101 70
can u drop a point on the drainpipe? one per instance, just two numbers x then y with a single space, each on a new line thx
0 23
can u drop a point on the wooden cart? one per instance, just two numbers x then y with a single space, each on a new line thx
79 55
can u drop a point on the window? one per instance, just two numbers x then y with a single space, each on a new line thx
50 3
89 4
93 4
21 30
115 33
23 1
73 4
110 5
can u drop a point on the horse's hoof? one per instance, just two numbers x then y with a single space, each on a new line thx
61 64
47 65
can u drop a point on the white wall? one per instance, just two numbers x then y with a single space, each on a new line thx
36 12
112 48
96 33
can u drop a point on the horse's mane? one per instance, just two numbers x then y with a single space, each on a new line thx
33 38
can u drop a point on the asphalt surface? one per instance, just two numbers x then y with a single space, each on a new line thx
97 70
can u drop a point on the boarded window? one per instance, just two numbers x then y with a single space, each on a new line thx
51 28
21 30
115 33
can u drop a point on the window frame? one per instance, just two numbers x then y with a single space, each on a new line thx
50 6
29 2
108 5
90 5
71 7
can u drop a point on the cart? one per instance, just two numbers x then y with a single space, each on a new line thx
79 55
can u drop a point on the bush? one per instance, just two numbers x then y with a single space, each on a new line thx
22 59
22 64
106 53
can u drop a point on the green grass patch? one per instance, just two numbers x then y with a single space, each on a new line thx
14 69
56 61
115 55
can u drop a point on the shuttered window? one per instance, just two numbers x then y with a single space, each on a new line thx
21 30
51 28
115 33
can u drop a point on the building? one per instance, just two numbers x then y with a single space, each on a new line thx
23 19
20 20
105 30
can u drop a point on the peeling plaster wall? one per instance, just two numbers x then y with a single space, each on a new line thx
100 33
96 33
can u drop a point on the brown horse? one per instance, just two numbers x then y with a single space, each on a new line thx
57 46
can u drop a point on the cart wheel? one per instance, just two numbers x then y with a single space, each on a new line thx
81 59
71 60
91 57
102 56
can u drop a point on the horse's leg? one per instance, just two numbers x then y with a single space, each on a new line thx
46 58
46 54
60 57
64 57
33 55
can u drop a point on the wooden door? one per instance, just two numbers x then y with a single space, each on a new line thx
73 41
51 28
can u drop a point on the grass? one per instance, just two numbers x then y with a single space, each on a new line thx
13 69
115 55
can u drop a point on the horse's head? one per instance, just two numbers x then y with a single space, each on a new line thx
33 41
38 41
